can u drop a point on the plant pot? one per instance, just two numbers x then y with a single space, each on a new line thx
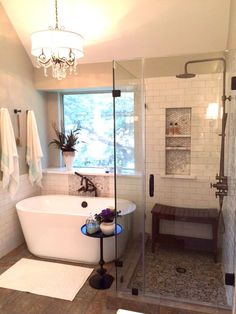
108 228
68 159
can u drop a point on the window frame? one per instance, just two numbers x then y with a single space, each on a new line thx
104 91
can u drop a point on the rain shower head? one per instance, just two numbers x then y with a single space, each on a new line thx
185 75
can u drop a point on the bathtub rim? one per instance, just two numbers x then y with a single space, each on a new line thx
21 208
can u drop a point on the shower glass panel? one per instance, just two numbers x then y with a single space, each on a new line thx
184 254
129 168
180 244
229 210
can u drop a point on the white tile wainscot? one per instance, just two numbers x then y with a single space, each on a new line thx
61 181
10 230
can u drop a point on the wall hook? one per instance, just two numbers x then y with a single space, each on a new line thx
18 141
17 111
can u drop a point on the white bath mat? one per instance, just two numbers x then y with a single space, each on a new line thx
45 278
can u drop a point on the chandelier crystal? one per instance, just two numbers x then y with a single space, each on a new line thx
57 48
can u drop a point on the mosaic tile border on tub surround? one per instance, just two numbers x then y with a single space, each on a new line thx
104 185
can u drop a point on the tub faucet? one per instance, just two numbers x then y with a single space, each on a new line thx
86 185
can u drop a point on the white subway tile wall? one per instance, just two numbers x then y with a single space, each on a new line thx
55 184
10 231
131 188
197 93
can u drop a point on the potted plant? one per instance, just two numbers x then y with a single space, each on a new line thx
106 220
66 142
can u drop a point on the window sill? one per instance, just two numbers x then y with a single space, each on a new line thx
89 171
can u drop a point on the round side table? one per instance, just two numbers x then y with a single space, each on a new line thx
101 280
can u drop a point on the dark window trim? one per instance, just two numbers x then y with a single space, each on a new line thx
85 92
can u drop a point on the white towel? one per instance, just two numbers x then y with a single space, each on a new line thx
34 151
9 155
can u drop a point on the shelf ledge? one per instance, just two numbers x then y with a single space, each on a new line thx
178 176
178 135
89 171
177 148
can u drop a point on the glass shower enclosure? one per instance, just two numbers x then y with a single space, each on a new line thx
167 154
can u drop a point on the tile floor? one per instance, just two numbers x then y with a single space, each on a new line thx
181 274
88 300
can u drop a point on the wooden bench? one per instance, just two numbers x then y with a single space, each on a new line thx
193 215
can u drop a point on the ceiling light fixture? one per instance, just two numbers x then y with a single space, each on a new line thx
57 48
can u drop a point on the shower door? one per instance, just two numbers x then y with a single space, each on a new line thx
129 168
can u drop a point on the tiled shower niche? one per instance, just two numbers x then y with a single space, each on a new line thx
178 141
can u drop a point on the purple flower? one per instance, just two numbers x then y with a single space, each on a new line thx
107 215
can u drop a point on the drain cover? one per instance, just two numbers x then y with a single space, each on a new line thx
181 270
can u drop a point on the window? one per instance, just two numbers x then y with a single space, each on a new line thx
93 113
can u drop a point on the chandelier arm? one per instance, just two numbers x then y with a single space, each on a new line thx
56 11
68 62
44 62
42 57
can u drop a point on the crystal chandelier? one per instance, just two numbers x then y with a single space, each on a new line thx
58 49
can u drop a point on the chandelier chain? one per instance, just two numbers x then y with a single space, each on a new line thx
56 10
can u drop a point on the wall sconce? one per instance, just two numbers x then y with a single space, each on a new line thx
212 112
214 116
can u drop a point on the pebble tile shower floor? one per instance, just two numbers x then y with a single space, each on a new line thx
202 281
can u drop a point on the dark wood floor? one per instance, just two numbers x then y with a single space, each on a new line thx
87 300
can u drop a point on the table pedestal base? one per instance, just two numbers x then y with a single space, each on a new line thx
101 282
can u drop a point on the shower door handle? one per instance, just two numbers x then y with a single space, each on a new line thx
151 185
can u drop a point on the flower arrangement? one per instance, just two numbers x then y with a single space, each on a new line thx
107 215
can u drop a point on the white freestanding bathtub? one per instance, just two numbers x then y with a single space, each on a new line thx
51 226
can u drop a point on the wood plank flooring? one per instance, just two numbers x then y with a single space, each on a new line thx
87 301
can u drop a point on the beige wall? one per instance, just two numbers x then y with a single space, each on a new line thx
232 26
54 116
172 65
99 75
92 75
17 89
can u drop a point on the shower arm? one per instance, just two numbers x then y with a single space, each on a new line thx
224 98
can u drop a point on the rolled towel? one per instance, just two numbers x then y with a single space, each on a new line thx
9 155
34 150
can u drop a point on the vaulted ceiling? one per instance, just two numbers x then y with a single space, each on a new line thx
124 29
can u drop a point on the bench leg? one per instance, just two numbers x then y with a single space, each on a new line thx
214 239
155 230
